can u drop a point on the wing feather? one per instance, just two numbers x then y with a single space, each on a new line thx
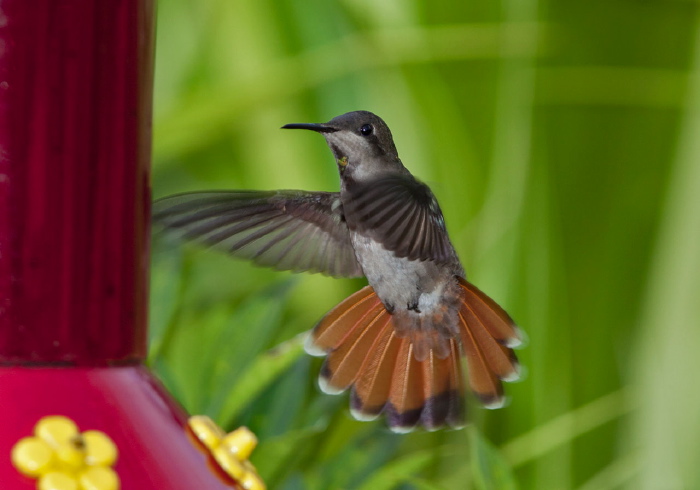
402 214
286 230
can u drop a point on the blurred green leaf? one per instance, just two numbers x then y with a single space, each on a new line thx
565 428
253 325
166 297
666 428
259 374
490 469
399 471
273 457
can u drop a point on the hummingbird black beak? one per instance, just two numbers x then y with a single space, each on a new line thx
319 128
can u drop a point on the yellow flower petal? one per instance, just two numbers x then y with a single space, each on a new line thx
99 448
99 478
251 481
206 430
241 442
229 463
32 456
56 430
57 481
71 455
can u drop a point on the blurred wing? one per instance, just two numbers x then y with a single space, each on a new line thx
402 214
287 230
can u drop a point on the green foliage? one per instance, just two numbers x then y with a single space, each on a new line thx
560 138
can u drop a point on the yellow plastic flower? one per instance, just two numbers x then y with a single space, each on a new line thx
230 451
63 458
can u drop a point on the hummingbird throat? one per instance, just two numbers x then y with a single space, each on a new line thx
342 164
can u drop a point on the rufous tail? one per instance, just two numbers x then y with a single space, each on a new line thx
365 353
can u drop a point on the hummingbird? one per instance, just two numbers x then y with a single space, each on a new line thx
398 343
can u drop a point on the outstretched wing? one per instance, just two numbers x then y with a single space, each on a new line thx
402 214
287 230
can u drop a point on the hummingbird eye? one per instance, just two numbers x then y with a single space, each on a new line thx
366 130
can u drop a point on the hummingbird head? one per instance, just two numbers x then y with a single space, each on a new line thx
361 143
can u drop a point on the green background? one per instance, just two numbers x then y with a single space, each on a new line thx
561 138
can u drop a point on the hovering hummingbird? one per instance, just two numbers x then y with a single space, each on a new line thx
398 342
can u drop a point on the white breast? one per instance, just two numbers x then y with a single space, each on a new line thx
398 281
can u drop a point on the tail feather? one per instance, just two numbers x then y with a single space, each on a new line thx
485 384
371 391
499 359
455 403
365 353
436 379
412 384
332 330
443 389
406 399
487 334
499 324
344 363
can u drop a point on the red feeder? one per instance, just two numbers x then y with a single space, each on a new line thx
75 131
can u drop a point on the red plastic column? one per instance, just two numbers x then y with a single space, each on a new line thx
75 111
